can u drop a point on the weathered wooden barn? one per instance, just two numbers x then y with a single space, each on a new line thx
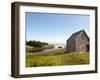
78 41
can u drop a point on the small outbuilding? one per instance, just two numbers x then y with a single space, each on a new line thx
78 41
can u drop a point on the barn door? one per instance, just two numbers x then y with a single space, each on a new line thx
87 47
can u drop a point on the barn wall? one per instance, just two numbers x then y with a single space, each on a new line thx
71 45
81 42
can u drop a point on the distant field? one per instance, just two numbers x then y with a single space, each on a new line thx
57 58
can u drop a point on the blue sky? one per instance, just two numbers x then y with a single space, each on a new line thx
54 27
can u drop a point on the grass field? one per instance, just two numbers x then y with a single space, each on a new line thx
56 58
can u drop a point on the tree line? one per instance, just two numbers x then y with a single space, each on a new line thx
36 43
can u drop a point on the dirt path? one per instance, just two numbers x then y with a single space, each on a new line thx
51 50
48 50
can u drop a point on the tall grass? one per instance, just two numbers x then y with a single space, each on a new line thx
57 59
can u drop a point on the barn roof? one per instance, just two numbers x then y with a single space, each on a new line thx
74 35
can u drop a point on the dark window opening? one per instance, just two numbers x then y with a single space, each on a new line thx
87 47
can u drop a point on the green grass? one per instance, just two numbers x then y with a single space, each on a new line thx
57 59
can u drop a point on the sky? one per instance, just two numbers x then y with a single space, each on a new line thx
54 28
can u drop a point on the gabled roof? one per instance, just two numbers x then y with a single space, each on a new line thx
74 35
